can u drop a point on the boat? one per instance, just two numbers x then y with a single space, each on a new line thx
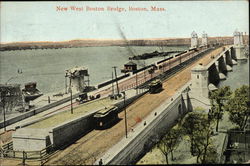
30 92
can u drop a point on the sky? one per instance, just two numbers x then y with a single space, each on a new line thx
40 21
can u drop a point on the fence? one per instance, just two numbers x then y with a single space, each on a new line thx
8 152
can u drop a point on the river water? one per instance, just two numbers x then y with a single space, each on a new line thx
47 67
239 76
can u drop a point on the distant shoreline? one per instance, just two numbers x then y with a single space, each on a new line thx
106 42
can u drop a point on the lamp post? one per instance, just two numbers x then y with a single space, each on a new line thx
70 89
126 130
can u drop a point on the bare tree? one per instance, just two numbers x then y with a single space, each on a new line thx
170 142
198 127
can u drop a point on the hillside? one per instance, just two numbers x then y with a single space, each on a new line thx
107 42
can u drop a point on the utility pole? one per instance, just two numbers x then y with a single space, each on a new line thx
3 95
164 64
66 84
113 83
144 71
180 59
71 104
116 80
126 130
136 81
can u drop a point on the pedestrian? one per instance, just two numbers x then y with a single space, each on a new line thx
100 162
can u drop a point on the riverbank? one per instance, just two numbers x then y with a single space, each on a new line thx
106 42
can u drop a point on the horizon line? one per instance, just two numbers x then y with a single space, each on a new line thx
104 39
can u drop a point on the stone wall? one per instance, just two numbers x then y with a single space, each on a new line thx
25 138
130 149
68 132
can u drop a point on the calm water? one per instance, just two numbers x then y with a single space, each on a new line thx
239 76
47 67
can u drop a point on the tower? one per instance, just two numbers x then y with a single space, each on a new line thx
77 80
241 38
194 40
237 38
199 77
204 39
238 45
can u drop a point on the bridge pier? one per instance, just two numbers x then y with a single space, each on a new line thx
221 75
222 65
205 78
232 54
239 51
199 77
228 62
228 58
214 72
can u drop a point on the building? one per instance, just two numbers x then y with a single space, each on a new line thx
129 67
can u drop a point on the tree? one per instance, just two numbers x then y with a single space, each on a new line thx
203 141
191 123
198 127
170 142
238 106
217 99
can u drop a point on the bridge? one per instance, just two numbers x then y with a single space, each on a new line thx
205 78
151 114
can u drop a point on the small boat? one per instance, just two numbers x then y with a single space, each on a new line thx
30 92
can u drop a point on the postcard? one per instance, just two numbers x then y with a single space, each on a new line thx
124 82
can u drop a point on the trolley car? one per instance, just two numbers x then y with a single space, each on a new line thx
106 117
155 86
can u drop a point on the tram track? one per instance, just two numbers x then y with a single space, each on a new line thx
97 142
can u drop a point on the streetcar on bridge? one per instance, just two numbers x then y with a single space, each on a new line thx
106 117
155 86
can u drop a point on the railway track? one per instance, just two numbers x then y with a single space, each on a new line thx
170 72
100 140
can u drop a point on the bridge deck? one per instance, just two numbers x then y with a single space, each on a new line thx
217 57
93 145
87 149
